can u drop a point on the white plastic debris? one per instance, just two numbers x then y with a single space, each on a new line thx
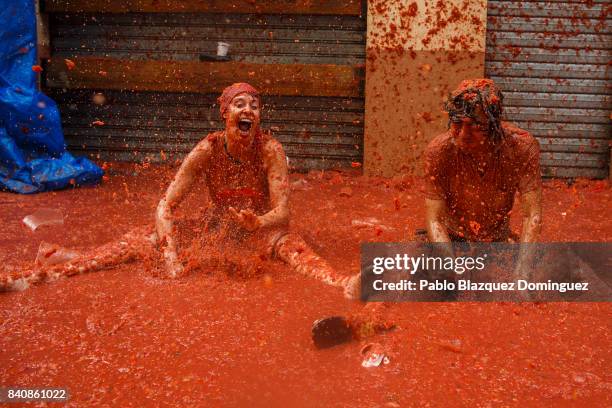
43 216
374 355
222 48
50 254
375 360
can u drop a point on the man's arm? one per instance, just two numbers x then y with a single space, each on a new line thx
436 186
530 187
435 211
275 163
532 224
183 180
532 215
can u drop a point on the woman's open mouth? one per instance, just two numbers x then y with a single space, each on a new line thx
244 125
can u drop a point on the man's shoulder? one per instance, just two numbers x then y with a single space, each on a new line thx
519 140
438 154
441 144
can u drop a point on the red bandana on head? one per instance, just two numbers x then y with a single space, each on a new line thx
231 91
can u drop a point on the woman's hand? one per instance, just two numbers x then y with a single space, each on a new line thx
247 219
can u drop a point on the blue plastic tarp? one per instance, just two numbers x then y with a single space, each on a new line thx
33 156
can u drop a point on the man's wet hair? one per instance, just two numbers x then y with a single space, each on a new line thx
463 102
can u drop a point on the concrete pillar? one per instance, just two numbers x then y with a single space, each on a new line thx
417 52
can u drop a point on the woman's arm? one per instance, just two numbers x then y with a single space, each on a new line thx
183 180
275 162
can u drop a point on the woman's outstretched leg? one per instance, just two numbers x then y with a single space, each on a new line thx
54 262
326 332
293 250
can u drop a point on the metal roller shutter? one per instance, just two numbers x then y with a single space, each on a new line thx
316 131
551 58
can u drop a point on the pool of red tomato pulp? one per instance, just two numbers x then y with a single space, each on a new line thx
126 337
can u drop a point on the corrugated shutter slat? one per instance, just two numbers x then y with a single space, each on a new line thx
551 58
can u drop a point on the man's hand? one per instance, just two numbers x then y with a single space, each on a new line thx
173 265
520 272
435 210
247 219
